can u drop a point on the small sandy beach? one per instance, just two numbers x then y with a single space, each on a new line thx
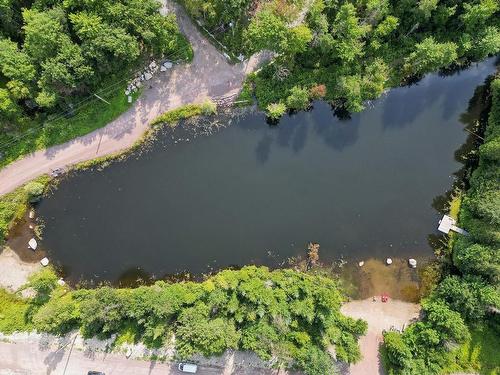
13 271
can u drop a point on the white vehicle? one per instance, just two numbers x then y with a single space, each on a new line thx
188 367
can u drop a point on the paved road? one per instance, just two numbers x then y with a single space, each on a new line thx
209 75
29 359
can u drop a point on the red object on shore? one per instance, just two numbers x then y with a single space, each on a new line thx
385 297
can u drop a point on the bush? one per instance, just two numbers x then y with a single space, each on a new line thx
208 107
58 316
298 98
34 190
276 110
173 117
398 353
317 92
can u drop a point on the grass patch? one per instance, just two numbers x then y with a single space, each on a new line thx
13 312
37 134
173 117
245 97
456 202
14 205
479 354
127 335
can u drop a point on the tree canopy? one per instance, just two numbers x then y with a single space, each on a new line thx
286 316
51 52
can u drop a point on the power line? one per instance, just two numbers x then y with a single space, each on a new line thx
78 106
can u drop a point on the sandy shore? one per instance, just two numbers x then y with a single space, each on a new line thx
13 271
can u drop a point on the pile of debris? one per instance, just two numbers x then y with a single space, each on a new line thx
147 74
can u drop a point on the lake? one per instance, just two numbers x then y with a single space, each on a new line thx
257 193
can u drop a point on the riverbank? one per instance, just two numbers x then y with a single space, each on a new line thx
209 75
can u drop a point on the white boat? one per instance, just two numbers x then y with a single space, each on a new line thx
32 244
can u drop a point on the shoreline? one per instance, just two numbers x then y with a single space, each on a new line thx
103 354
208 76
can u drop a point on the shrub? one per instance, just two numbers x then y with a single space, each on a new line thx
208 107
276 110
298 98
34 190
397 351
317 92
173 117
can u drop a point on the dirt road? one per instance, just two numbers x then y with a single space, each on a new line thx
208 75
379 316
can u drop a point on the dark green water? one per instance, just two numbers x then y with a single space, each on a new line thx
254 193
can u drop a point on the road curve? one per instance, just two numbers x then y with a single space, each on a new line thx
208 75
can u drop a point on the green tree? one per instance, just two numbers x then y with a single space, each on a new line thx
34 190
275 110
398 352
349 88
430 55
43 33
474 258
9 110
375 79
43 283
470 296
298 98
58 316
266 31
101 311
15 64
426 7
348 33
296 40
66 71
197 333
476 15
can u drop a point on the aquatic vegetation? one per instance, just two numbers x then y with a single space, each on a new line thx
173 117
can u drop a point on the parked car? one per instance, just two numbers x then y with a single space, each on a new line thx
95 373
188 367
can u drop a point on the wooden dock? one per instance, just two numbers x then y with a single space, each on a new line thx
447 223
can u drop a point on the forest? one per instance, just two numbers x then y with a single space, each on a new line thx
467 298
288 317
348 52
54 55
